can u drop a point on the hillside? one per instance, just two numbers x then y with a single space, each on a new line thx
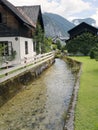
55 25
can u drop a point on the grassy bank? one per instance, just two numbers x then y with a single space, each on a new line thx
86 114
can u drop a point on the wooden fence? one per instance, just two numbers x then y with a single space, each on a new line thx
8 73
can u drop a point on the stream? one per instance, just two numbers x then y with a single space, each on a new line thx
42 105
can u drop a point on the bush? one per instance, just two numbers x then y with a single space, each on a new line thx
96 56
92 54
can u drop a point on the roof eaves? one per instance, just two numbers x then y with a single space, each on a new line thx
31 11
82 24
16 12
23 13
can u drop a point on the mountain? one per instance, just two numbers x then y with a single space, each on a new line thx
55 25
86 20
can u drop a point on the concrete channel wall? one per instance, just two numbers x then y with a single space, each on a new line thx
11 86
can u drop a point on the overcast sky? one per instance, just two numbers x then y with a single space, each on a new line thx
69 9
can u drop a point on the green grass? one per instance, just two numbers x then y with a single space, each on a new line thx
86 113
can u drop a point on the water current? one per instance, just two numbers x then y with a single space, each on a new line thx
42 105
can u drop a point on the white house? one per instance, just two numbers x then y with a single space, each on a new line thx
17 27
62 40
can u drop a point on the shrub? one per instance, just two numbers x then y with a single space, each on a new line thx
92 54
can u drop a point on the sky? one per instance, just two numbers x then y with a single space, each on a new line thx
69 9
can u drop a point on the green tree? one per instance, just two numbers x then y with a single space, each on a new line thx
39 39
43 44
58 45
82 43
94 52
54 46
63 48
87 41
73 46
47 45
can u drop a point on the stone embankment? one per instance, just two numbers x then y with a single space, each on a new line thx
70 116
12 86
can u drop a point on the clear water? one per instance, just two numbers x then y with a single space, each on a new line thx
41 105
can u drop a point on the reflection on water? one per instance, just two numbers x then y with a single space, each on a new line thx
42 104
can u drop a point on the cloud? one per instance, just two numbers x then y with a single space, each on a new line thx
95 16
65 8
68 8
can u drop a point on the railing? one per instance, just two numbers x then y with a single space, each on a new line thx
8 73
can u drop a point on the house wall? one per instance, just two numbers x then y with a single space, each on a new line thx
11 25
2 11
18 44
15 45
8 18
31 52
12 21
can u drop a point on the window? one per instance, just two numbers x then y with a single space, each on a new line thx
0 18
26 47
34 46
6 48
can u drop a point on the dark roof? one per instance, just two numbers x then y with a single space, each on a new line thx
32 12
16 12
83 26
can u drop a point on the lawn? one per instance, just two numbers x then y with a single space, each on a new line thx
86 113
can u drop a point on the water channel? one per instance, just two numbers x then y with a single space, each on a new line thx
42 104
